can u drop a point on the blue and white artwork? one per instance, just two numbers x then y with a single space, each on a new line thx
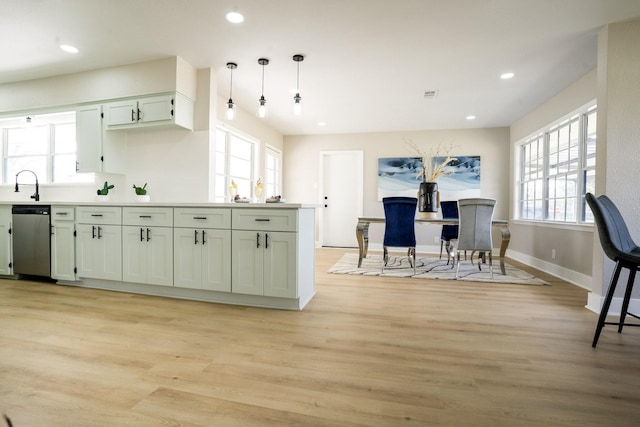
462 179
398 176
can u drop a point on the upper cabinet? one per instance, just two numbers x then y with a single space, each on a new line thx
158 110
97 150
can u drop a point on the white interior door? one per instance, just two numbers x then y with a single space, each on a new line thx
342 197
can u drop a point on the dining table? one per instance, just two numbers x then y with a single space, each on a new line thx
362 233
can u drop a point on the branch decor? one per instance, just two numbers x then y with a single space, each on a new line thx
430 171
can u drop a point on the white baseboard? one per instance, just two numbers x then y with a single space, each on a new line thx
595 301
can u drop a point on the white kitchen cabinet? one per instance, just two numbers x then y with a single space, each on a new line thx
97 150
99 242
264 263
63 245
265 252
147 245
202 254
156 110
5 240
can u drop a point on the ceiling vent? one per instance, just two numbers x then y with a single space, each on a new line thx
430 94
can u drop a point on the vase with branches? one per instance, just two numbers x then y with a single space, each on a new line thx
431 169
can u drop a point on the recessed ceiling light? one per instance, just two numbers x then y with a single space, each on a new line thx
470 117
507 76
321 124
234 17
69 48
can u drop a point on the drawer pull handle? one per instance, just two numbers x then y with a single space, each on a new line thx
99 215
145 216
62 213
199 217
196 237
263 219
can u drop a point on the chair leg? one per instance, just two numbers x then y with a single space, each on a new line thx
607 303
491 264
458 267
385 257
441 243
627 298
412 254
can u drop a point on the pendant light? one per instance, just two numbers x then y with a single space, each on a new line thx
297 99
262 108
231 107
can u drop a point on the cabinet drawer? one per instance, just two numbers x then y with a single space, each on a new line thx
62 213
99 215
202 218
265 219
160 217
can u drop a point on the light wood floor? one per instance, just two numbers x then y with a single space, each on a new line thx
366 351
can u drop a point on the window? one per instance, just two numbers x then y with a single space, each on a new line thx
44 144
272 178
557 167
235 162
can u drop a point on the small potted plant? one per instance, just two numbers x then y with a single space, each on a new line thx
141 193
103 193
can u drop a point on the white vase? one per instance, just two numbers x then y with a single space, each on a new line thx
102 198
142 198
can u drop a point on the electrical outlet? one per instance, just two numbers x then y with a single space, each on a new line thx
436 239
553 254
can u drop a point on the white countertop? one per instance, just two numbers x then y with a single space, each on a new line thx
169 205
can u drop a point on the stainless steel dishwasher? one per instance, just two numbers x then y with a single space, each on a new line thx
31 240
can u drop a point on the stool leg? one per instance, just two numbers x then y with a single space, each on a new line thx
607 303
627 298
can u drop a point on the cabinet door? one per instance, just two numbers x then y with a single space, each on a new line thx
89 139
247 262
216 264
159 242
63 250
121 113
5 240
187 258
280 265
134 254
147 255
99 251
155 109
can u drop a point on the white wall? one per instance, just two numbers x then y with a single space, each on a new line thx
177 164
535 242
301 165
618 143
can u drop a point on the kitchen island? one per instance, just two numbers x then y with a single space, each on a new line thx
257 254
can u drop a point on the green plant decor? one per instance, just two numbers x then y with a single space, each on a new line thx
105 189
140 191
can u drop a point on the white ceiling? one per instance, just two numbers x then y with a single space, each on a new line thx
367 62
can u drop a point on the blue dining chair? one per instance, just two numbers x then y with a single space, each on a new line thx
399 229
449 211
618 245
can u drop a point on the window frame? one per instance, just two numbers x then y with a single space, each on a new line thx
583 172
222 178
48 119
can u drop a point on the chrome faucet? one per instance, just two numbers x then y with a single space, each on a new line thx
36 195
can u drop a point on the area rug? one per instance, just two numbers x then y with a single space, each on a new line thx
432 268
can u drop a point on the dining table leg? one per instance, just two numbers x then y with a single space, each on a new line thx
362 235
506 237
